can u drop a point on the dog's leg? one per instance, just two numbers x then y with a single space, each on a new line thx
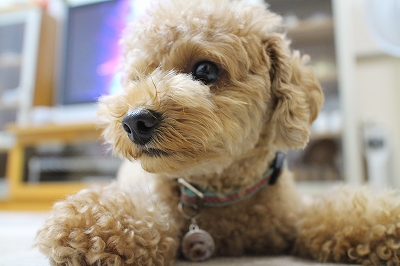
110 226
356 226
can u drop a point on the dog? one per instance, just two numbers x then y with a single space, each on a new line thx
213 98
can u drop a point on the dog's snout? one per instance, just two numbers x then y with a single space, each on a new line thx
139 124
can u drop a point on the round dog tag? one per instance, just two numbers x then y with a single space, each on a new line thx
197 244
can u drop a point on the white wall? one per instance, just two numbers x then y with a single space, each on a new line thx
377 86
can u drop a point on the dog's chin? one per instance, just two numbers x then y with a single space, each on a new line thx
157 164
175 163
155 160
154 153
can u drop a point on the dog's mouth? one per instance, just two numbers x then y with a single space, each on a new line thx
154 153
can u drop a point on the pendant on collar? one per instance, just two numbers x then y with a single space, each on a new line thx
196 197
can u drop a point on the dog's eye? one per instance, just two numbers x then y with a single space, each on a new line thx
206 71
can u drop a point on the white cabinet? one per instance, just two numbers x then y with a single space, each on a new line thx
26 62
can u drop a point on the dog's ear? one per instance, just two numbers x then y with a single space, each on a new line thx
296 94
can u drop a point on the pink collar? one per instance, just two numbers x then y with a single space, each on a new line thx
196 196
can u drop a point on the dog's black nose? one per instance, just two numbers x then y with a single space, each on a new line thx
140 125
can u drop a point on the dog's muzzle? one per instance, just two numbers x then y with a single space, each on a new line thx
140 124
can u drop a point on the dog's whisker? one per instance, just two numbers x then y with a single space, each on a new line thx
155 95
156 205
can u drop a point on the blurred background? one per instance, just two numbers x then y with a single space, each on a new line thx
58 56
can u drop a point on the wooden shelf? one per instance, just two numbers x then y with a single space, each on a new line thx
310 32
327 135
328 80
29 135
42 194
319 187
329 84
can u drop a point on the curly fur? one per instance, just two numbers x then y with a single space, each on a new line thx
367 230
221 137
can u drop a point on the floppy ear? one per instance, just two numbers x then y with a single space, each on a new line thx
296 93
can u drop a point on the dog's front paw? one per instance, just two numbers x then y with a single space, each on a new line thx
100 227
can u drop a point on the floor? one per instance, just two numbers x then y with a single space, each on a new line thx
17 231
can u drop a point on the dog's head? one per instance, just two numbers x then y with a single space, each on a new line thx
206 82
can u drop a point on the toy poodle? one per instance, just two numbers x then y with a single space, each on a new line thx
213 98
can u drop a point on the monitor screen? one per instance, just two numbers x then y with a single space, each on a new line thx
91 50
